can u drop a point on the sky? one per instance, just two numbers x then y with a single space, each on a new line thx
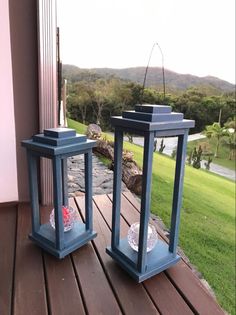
196 36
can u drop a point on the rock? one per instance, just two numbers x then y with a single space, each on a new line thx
104 148
72 185
71 195
98 191
128 155
71 178
93 131
79 193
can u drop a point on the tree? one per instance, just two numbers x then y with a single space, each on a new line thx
100 96
215 131
130 137
230 137
230 140
197 157
95 98
231 123
119 94
207 163
79 99
191 105
162 146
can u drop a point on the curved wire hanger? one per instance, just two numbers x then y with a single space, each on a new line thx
163 72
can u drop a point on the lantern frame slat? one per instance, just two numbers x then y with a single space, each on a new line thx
178 191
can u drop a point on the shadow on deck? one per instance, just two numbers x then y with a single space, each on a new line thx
88 281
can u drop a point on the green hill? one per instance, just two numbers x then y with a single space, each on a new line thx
174 81
207 229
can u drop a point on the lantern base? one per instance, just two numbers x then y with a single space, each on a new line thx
159 259
73 239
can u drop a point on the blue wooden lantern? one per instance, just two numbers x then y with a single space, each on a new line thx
57 144
149 121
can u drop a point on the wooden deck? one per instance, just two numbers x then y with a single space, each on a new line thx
88 281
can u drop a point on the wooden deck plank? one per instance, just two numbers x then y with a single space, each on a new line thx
64 295
159 288
7 253
104 204
186 282
29 293
131 295
132 199
193 290
165 296
63 291
93 281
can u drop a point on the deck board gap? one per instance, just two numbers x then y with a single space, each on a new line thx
79 210
74 268
181 294
132 203
100 261
121 214
151 298
46 285
102 213
107 277
79 285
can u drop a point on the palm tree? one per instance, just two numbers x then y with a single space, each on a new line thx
215 131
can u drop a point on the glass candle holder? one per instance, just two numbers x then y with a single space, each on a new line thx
133 236
69 216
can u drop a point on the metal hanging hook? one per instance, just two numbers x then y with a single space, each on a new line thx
163 71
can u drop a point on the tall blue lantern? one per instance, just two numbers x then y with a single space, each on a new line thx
57 144
149 121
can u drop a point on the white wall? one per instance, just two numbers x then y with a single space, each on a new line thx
8 169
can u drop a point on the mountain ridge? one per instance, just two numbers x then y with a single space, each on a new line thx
173 80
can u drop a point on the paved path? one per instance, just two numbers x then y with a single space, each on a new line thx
170 145
220 170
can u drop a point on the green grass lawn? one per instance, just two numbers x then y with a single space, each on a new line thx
80 128
207 229
223 158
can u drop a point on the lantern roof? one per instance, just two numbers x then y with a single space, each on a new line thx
56 141
149 117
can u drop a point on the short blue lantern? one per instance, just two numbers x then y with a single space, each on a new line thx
149 121
57 144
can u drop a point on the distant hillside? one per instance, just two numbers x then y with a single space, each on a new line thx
174 81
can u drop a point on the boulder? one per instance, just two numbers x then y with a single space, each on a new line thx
94 132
